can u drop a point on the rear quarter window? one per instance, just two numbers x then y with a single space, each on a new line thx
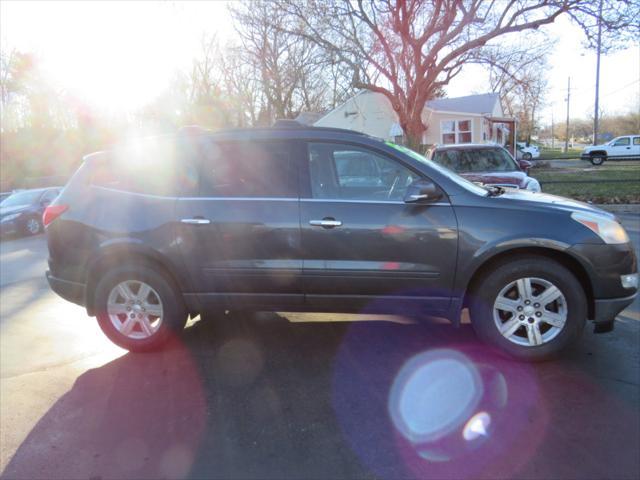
150 167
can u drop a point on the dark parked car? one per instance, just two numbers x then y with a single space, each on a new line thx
260 219
487 164
21 212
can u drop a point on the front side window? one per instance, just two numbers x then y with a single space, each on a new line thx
347 172
621 142
456 131
476 160
249 169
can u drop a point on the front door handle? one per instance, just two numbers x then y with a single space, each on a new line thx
196 221
326 223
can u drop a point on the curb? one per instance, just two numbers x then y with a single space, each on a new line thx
619 208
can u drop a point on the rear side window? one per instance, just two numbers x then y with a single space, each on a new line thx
161 167
636 140
249 169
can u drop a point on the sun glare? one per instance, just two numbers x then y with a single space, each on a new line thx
116 56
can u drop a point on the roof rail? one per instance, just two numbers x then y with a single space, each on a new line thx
193 129
287 123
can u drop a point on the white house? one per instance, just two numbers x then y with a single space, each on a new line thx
470 119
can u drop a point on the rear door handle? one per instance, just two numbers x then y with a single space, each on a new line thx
325 222
196 221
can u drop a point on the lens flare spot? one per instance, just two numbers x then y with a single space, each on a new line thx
477 426
434 394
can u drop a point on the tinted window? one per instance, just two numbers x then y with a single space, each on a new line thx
480 160
22 198
163 167
249 169
353 173
621 142
49 196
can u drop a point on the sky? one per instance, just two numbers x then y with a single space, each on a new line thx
120 55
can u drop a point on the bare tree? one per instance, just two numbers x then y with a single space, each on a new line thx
296 74
242 85
407 50
518 75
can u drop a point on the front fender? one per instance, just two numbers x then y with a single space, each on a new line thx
492 250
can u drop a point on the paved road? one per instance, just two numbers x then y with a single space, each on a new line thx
265 398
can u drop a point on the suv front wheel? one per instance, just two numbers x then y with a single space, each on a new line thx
532 308
597 158
138 309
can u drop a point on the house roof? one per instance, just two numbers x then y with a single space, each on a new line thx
483 103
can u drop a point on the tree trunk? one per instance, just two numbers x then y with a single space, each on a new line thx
413 130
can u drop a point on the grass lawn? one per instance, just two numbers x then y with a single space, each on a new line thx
604 191
548 153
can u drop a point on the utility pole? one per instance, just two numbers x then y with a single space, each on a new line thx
595 115
553 138
566 139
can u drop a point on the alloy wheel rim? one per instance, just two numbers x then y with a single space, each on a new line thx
33 226
530 311
135 309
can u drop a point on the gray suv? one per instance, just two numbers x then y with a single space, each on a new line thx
296 218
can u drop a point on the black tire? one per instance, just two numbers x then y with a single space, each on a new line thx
487 289
174 315
526 156
32 226
597 159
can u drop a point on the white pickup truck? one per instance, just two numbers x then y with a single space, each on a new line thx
626 147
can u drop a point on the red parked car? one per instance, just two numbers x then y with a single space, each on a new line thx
486 164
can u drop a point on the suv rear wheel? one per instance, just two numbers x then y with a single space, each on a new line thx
531 308
138 308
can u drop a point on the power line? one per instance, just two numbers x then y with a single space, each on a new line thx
621 88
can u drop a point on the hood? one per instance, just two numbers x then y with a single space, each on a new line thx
553 201
592 147
501 178
16 209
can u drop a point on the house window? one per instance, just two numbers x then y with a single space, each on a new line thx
456 131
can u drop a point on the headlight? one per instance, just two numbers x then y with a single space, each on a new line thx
608 230
533 185
8 218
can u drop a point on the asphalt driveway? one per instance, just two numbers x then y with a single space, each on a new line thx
263 397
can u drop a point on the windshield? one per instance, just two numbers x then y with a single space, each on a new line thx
463 182
21 198
476 160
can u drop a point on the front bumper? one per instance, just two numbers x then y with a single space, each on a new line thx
8 228
606 310
71 291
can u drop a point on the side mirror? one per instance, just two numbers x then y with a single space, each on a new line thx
524 165
422 191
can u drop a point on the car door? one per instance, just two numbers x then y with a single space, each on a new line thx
240 238
363 246
620 147
635 148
